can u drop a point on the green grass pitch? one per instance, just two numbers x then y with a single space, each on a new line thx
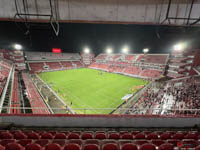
87 88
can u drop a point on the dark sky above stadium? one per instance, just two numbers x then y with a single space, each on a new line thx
74 37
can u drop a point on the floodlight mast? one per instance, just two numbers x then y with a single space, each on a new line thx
145 50
17 46
109 50
125 50
86 50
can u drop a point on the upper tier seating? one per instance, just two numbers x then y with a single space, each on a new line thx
37 104
130 58
137 140
38 56
101 56
140 65
156 59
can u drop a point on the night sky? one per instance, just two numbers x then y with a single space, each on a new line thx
74 37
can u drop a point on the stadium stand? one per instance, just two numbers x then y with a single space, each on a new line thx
42 61
50 66
179 94
15 56
133 64
5 67
43 56
38 105
140 140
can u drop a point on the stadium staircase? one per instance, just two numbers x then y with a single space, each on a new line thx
38 105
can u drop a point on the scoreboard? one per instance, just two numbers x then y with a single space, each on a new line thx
56 50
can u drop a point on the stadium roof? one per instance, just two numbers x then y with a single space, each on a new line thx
113 11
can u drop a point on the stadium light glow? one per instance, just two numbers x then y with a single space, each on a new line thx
18 46
145 50
125 50
109 50
86 50
179 47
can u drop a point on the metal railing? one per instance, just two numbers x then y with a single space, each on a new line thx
129 111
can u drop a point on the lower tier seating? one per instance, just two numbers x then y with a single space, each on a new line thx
48 66
98 140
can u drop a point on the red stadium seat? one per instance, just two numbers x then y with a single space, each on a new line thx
178 136
166 146
53 146
123 132
33 135
65 132
47 136
42 142
61 142
6 142
114 136
165 136
126 136
152 136
190 136
52 132
6 135
72 147
19 135
76 141
91 147
147 147
110 146
24 142
129 146
33 147
135 132
73 136
60 136
157 142
197 148
100 135
2 148
140 136
87 136
14 146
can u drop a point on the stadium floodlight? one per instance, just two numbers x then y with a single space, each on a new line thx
179 47
17 46
145 50
86 50
109 50
125 49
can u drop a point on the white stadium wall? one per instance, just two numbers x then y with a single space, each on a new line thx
99 121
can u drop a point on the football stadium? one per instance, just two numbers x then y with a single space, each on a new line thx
100 75
105 90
